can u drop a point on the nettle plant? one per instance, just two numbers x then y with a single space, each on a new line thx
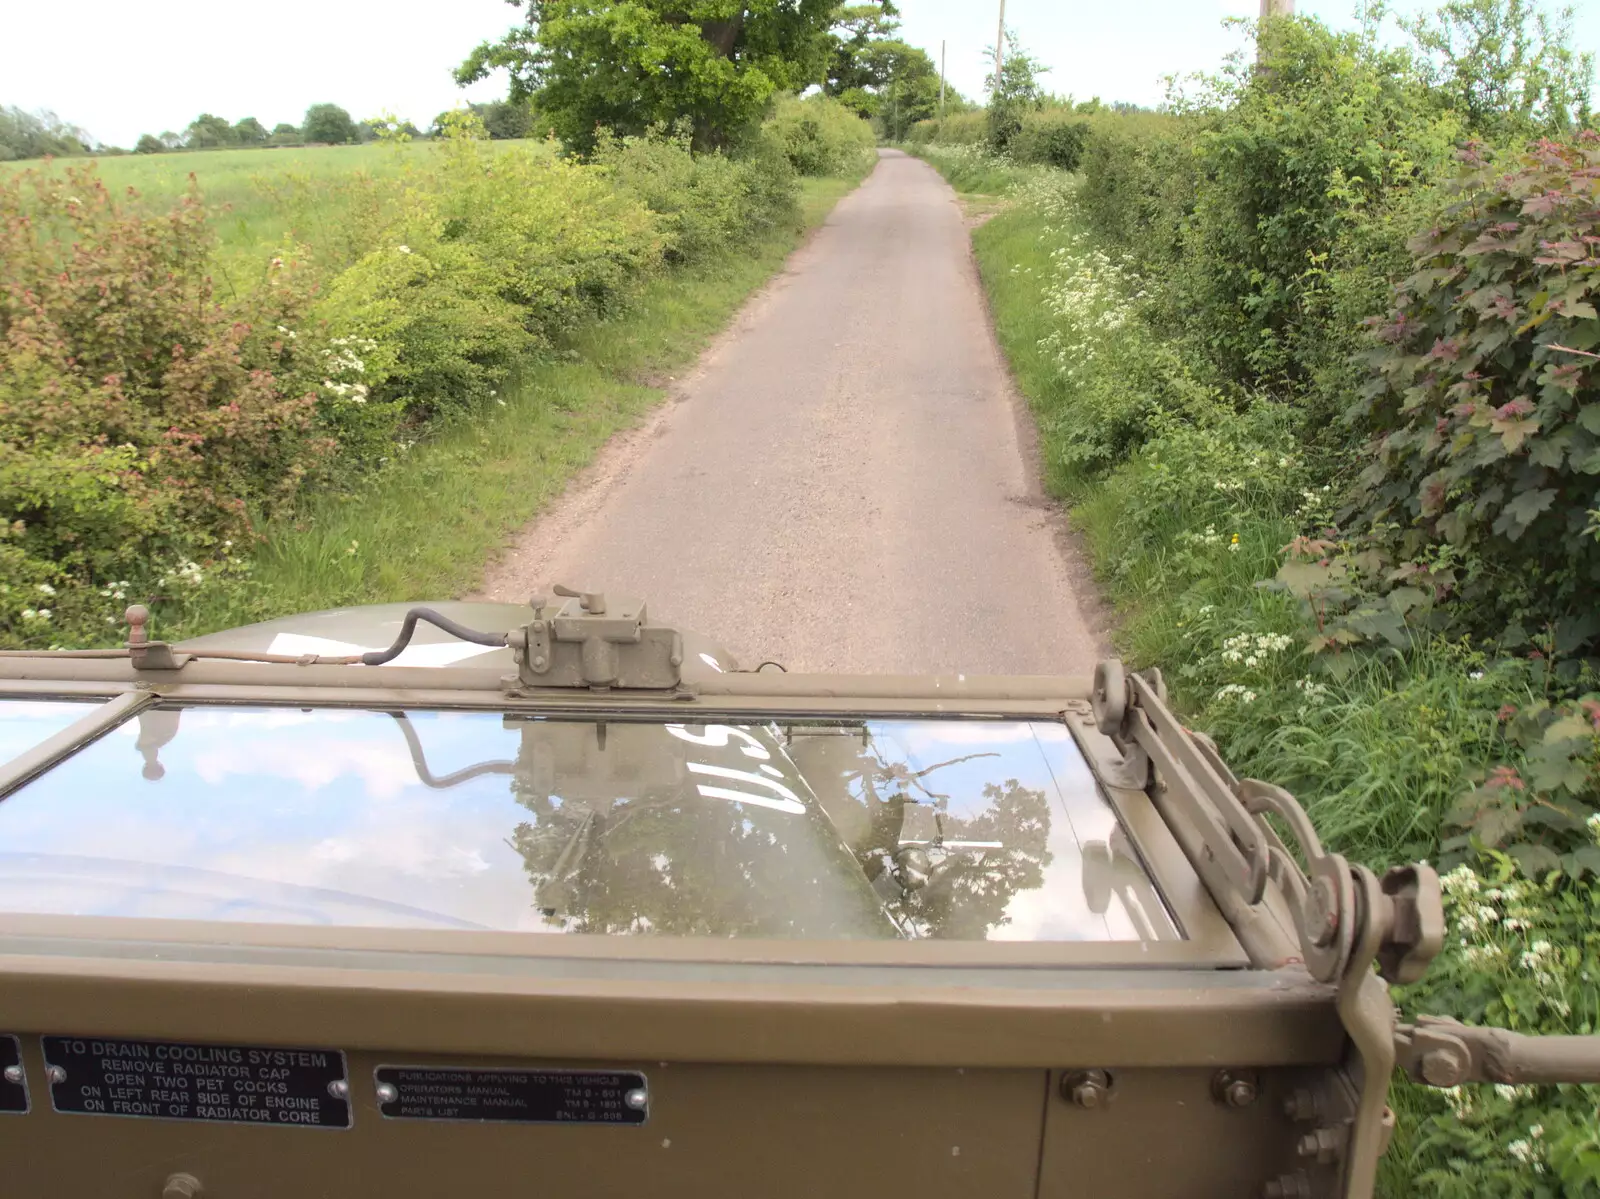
1484 401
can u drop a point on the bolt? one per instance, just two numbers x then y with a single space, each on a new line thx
1234 1089
14 1075
538 662
1086 1088
387 1092
1302 1105
339 1089
55 1074
181 1186
1442 1068
1287 1186
1325 1145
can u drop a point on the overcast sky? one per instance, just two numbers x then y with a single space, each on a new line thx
121 69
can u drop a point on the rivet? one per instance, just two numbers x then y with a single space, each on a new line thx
637 1099
387 1092
339 1089
55 1074
14 1075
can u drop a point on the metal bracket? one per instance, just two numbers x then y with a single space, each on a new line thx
584 641
1442 1052
1347 920
145 654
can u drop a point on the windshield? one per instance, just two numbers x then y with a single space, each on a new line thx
892 829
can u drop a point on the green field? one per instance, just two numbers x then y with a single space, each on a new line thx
260 197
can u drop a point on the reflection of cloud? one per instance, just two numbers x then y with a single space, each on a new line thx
930 736
313 762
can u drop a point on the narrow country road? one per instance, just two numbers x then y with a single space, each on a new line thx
844 481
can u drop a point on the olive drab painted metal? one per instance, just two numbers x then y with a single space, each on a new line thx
407 902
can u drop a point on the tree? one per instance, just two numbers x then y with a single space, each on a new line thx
249 132
330 124
876 74
149 144
629 64
207 132
1507 65
853 76
171 140
1016 91
506 119
284 134
910 89
38 135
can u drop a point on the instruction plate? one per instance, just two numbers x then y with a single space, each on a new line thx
512 1095
172 1080
13 1081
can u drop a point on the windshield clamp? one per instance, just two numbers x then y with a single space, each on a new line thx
584 640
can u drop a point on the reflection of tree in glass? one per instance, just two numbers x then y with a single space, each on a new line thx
932 879
622 842
969 889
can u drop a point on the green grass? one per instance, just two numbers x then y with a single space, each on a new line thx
425 528
972 170
258 197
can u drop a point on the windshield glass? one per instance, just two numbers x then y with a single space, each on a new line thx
900 829
26 722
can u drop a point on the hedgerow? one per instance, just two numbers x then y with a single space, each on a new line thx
1363 553
150 427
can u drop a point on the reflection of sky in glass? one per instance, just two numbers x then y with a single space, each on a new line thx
300 816
26 722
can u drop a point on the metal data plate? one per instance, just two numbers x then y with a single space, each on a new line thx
169 1080
512 1096
13 1078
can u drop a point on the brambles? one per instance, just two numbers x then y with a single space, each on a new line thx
1483 407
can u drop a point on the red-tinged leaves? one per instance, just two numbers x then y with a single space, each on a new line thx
1484 396
116 355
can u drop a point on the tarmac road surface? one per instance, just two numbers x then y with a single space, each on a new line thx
845 481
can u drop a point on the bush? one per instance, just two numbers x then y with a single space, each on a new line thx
422 330
706 201
956 129
1484 408
142 421
561 241
1052 138
820 136
1140 177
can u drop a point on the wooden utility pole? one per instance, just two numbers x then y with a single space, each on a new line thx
1000 44
941 84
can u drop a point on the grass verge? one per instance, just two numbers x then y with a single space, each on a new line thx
425 526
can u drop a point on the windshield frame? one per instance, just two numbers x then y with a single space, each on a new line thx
1208 940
